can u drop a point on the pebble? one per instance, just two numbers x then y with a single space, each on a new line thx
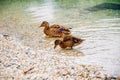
46 66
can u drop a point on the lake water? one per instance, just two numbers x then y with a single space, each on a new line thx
96 21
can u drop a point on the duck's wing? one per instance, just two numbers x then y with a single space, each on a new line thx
55 32
55 26
60 28
67 38
65 29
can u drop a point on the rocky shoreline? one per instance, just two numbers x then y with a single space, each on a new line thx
19 62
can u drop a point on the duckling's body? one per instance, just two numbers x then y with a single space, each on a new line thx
68 41
54 30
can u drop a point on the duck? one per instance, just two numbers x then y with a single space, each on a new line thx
54 30
68 41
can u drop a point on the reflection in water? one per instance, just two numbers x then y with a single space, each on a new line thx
73 52
43 13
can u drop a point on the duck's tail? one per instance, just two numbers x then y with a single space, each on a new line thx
111 78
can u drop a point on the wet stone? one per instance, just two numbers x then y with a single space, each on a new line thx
17 53
72 68
9 64
18 67
5 35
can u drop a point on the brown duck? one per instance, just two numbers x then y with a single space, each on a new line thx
54 30
68 41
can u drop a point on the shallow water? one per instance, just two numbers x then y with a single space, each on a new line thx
99 27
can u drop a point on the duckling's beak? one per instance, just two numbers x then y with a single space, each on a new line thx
40 26
56 43
55 46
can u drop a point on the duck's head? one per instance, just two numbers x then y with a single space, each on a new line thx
57 42
44 24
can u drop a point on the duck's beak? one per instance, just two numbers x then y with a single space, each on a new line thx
40 26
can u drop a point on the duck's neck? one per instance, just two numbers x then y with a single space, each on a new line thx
46 30
46 27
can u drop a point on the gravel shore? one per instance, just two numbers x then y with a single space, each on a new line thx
19 62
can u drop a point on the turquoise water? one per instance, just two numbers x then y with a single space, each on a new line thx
96 21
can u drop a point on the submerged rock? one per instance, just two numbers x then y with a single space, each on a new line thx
105 6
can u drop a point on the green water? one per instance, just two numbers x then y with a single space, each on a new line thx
96 21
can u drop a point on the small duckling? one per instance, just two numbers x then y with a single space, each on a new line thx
54 30
68 41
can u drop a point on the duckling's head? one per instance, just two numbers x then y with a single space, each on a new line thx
57 42
44 24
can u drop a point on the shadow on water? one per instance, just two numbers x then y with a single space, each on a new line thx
66 52
105 6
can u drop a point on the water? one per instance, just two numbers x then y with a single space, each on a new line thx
98 25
